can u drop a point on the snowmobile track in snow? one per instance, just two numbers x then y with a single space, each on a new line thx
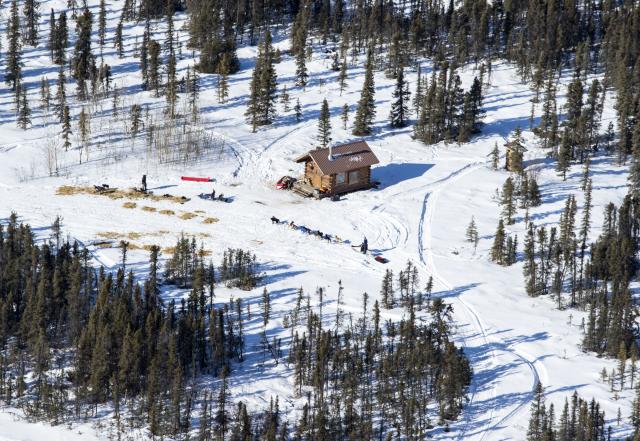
424 247
248 157
237 153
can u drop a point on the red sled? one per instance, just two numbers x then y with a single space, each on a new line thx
196 179
381 259
285 183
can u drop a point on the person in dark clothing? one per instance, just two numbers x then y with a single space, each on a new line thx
213 194
365 246
144 182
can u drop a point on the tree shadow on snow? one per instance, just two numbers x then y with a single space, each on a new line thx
276 273
455 292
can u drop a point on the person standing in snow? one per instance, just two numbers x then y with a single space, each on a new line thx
365 246
144 182
213 194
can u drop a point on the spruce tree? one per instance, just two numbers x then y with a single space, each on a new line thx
136 119
507 200
172 87
533 192
573 106
345 116
144 59
31 13
17 98
586 169
117 39
418 97
222 418
66 128
83 62
261 108
537 419
591 114
61 95
400 104
83 125
498 248
302 76
266 307
609 137
622 363
530 267
13 68
192 87
342 76
386 292
223 83
324 125
495 156
284 99
24 115
549 117
298 110
45 94
153 66
51 43
61 40
365 111
472 233
102 22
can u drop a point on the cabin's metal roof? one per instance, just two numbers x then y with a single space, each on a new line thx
345 157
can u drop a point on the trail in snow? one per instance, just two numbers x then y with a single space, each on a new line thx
426 216
239 151
249 158
426 257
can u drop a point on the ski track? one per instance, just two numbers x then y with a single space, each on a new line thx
426 217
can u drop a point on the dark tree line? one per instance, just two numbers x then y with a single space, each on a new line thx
520 191
612 312
377 380
543 39
579 420
74 338
118 342
446 111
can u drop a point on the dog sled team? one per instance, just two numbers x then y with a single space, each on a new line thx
316 233
364 246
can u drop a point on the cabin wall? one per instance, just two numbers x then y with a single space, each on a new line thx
309 169
312 174
329 184
363 181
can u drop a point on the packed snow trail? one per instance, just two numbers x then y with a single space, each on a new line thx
248 159
424 246
425 252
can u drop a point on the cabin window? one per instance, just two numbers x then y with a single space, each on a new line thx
341 178
353 177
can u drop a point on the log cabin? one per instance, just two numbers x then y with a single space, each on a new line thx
339 169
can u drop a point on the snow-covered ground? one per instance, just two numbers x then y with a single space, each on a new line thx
420 212
14 428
